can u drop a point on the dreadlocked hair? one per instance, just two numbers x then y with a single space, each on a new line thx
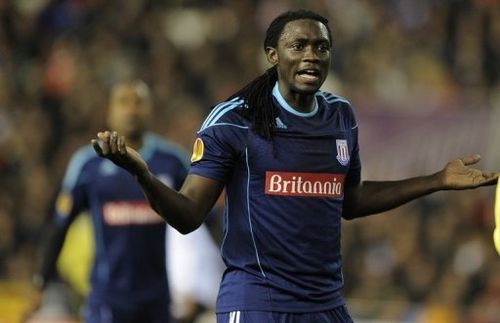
258 93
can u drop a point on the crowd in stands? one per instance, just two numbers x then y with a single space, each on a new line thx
429 261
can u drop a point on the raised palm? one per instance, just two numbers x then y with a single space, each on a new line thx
457 175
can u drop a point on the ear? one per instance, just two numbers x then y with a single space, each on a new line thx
272 55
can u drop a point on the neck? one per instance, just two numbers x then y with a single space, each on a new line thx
303 103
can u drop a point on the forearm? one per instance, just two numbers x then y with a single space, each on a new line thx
373 197
176 208
51 248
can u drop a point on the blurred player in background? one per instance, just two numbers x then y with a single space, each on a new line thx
128 278
288 156
194 272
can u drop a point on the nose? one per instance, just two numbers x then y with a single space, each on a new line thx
132 106
310 54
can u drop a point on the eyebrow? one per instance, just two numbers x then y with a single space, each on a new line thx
308 40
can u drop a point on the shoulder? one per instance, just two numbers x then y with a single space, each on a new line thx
80 160
166 148
83 156
339 104
227 114
333 99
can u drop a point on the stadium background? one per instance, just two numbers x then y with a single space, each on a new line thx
423 77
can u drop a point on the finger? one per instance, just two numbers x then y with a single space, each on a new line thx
490 179
113 142
470 160
489 175
104 142
104 135
97 147
121 145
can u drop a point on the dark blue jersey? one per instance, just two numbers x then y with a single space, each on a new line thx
129 263
283 202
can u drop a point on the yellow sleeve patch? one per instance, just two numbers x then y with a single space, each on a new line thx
64 204
198 149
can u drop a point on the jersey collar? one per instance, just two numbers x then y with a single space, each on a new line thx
289 108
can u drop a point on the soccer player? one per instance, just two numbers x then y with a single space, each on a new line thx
128 278
288 156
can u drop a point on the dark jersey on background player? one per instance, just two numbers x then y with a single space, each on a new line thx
288 158
128 279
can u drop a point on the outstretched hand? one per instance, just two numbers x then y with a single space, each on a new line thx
112 146
458 175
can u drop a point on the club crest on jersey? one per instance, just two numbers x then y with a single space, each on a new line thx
342 152
198 149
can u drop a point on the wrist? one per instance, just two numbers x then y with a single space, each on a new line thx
438 182
144 176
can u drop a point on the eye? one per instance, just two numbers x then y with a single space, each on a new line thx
323 48
297 46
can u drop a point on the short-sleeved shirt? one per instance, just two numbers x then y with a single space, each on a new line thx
129 264
283 202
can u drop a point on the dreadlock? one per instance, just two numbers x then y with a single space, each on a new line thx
257 94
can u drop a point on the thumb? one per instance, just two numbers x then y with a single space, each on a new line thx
470 160
97 147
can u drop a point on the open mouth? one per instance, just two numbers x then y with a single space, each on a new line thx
309 74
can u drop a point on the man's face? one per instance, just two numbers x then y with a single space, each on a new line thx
302 56
129 110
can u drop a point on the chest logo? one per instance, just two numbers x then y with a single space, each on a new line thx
129 213
342 152
305 184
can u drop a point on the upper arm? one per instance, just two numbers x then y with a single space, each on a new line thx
351 201
73 198
218 148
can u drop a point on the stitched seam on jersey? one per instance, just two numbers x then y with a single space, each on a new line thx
325 94
330 101
75 167
330 98
249 216
226 223
221 110
224 124
215 110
